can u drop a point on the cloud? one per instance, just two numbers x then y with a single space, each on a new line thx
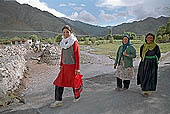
84 16
82 5
74 16
68 5
139 9
149 9
111 17
130 20
62 5
71 4
107 17
42 6
112 4
78 8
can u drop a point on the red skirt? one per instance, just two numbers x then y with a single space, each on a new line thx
66 76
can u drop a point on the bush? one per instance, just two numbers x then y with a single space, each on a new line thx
33 38
111 40
93 40
86 42
81 39
163 39
118 37
58 38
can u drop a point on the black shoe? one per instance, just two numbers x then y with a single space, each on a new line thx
118 89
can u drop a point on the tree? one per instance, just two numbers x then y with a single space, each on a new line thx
162 39
87 42
165 38
168 28
16 38
93 40
109 36
51 40
133 35
159 38
110 32
81 39
58 38
161 30
142 38
111 40
34 38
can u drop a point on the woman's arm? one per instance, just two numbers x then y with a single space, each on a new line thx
77 55
117 57
141 48
132 53
158 53
61 59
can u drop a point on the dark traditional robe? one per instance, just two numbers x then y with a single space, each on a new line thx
147 71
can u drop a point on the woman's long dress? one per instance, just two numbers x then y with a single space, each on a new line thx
70 61
147 71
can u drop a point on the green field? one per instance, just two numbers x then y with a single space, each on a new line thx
110 49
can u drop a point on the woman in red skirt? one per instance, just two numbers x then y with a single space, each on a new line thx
69 65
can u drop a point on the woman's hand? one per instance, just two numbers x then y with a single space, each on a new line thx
77 72
61 67
125 54
115 66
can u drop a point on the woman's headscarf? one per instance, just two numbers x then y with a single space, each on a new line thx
67 42
147 46
125 45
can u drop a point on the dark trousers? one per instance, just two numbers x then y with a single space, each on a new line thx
59 93
126 83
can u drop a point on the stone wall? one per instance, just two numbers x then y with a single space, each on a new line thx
51 55
12 67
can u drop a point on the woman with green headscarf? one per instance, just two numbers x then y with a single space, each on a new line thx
124 64
147 71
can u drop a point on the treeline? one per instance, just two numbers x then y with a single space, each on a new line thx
110 38
50 40
163 33
162 36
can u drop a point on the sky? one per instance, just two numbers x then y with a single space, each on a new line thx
103 12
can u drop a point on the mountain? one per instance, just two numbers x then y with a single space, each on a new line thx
89 29
17 17
24 20
149 24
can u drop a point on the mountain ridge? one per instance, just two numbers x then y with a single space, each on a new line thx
23 17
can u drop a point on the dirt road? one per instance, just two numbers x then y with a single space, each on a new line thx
98 97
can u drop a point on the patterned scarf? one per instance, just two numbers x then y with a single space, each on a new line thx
124 46
147 47
67 42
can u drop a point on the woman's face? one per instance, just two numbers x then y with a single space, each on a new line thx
149 39
125 40
66 33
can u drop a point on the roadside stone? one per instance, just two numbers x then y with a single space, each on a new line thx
12 69
51 55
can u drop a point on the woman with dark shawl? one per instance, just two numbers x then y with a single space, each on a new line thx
147 71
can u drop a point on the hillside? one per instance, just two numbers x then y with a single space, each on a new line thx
149 24
14 16
89 29
24 20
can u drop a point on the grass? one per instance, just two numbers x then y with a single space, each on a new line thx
164 47
110 49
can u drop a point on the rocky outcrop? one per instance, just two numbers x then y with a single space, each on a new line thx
12 67
51 55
